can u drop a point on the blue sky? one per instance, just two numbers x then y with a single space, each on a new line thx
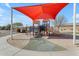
19 17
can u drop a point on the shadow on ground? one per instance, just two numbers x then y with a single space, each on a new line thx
36 44
62 36
40 44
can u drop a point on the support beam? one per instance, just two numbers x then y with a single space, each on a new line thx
11 32
33 28
49 27
74 23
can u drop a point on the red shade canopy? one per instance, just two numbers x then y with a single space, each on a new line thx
43 11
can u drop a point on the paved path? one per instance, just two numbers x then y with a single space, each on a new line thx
9 50
5 33
5 48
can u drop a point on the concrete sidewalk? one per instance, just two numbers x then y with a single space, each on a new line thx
5 48
9 50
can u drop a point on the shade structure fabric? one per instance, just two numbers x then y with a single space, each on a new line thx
43 11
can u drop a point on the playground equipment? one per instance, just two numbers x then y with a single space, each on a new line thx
50 9
43 11
36 28
43 28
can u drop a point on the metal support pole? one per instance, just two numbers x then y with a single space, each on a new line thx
74 23
38 28
11 24
49 28
33 28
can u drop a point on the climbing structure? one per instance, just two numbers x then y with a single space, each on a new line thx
44 11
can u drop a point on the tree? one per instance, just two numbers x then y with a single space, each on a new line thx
0 27
8 27
17 25
3 28
60 20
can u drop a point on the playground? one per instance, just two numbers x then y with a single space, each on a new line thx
46 36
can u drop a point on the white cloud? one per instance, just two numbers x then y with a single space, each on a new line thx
4 11
0 15
7 4
1 12
77 16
